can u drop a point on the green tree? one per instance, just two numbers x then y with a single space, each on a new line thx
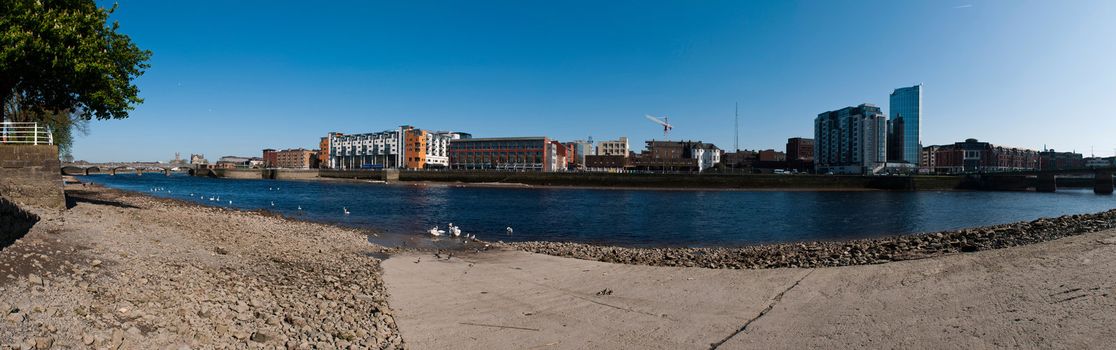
61 62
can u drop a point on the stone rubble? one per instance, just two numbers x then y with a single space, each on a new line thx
836 253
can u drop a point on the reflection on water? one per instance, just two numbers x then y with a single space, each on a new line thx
622 217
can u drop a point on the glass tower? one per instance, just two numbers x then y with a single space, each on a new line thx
906 124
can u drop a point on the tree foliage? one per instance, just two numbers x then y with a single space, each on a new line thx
61 57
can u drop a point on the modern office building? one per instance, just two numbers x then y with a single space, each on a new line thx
578 150
851 140
404 147
905 126
507 153
613 148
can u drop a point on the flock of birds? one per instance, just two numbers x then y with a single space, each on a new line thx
435 231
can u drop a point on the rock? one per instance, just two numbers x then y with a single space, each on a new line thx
260 337
87 339
42 343
34 280
95 263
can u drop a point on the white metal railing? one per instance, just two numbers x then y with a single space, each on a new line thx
27 133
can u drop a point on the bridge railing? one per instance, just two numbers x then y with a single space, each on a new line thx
27 133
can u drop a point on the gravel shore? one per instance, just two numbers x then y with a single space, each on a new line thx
128 271
838 253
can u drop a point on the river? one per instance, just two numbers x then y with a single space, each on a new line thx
624 217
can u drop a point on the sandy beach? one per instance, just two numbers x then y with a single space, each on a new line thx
121 270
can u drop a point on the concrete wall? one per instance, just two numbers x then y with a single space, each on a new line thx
14 222
291 174
695 181
352 174
32 175
238 173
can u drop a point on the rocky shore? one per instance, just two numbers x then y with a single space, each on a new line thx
128 271
838 253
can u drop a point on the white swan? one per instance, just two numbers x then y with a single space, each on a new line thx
510 230
436 232
455 230
346 210
273 203
300 207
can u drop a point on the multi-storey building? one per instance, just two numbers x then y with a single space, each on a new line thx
974 156
800 149
269 159
904 139
1098 162
578 150
929 159
678 156
324 149
196 159
506 153
404 147
1052 160
613 148
851 140
297 158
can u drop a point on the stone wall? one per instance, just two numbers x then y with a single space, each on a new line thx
352 174
14 222
31 175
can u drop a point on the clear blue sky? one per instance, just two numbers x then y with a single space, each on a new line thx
233 77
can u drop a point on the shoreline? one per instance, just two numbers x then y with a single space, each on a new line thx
847 252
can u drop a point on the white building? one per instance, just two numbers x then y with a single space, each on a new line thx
403 147
706 154
613 148
851 140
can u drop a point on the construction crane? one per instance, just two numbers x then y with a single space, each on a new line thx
666 126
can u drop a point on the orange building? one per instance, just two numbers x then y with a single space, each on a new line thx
414 140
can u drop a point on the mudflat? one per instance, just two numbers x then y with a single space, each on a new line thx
120 270
1057 294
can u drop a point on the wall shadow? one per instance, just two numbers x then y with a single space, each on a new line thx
14 222
74 197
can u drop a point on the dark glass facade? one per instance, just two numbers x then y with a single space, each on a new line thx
905 126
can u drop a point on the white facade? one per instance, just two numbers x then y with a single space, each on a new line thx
613 148
706 154
354 151
437 147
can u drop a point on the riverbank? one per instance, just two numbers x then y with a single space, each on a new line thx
125 270
1057 294
837 253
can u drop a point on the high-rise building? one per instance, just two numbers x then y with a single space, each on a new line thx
905 125
851 140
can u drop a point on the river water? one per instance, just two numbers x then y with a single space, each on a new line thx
618 217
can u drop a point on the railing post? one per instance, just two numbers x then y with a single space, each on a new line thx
36 131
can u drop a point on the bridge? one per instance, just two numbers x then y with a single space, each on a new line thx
1047 180
114 168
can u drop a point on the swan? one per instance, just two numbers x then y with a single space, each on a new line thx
510 230
436 232
300 207
273 203
346 210
455 230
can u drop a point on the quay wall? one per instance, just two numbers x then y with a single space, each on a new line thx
32 175
238 173
14 222
351 174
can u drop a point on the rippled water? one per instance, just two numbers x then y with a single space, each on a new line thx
621 217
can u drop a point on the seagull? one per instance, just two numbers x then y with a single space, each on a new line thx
509 230
436 232
346 210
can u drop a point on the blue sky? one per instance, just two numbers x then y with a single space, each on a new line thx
233 77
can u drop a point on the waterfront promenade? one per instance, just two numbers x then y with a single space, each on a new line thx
126 270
